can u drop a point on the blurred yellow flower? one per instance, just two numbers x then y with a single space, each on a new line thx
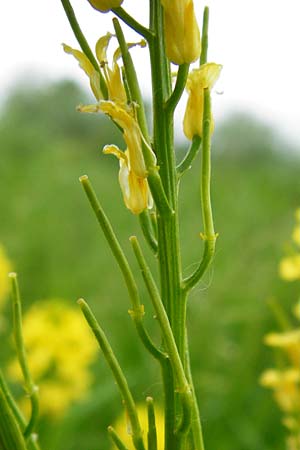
289 341
5 268
289 268
285 384
183 44
122 427
198 80
296 235
60 351
105 5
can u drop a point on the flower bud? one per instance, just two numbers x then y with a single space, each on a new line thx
105 5
182 34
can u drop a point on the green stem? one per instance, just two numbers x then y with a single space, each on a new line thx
134 88
179 88
197 435
132 23
117 373
152 433
204 39
32 442
31 388
191 154
116 439
138 309
83 43
209 236
182 386
11 437
168 230
155 183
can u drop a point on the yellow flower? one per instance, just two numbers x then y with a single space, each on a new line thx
122 427
182 36
289 268
133 173
5 268
60 350
105 5
112 75
285 384
198 80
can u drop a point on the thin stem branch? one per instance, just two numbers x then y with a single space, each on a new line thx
31 388
204 40
138 309
173 100
147 229
116 439
209 236
191 154
83 43
132 23
117 373
182 387
11 437
133 85
152 433
32 442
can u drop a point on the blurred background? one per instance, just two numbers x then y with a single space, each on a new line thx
52 240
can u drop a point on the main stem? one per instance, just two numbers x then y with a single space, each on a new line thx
168 230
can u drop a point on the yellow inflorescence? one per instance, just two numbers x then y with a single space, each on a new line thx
5 268
60 351
122 427
285 382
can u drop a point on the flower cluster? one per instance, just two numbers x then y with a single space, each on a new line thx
285 381
60 351
183 46
133 173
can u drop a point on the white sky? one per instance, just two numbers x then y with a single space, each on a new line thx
257 41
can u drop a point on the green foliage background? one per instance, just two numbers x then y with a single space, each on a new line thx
51 235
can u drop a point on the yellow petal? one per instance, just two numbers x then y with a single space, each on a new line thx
88 68
116 90
135 189
198 80
83 60
114 150
131 133
101 47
